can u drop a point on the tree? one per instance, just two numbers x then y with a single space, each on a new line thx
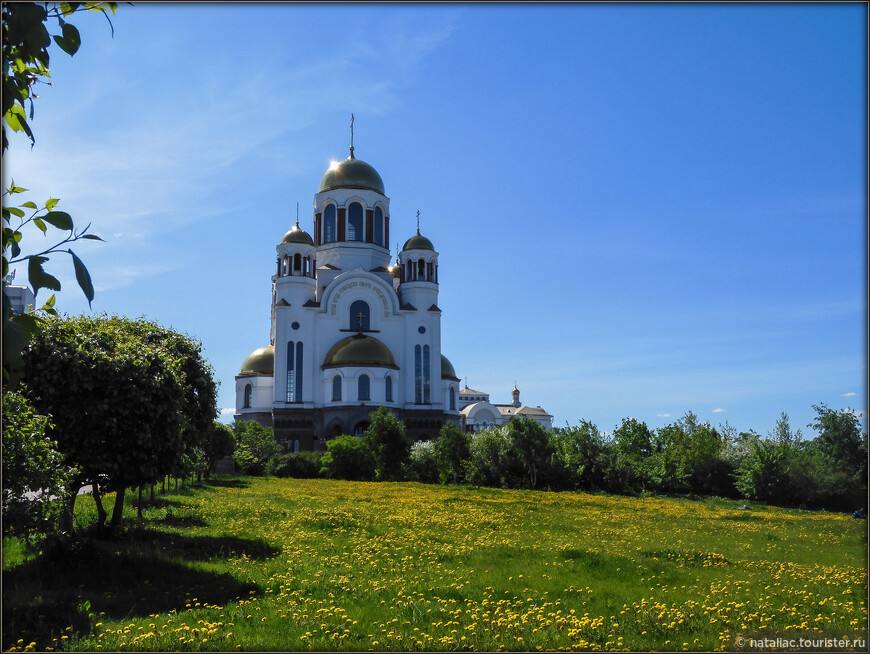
126 398
632 449
423 463
530 443
221 443
348 457
489 460
34 470
840 439
256 447
26 40
389 445
577 457
451 450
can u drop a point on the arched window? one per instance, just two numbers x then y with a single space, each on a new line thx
297 263
421 270
248 390
421 375
379 227
359 316
329 223
452 399
363 388
294 371
388 389
336 388
355 222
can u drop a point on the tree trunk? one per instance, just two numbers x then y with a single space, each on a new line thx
152 493
139 505
176 484
118 510
98 500
163 485
68 509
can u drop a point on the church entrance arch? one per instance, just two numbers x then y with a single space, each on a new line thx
360 429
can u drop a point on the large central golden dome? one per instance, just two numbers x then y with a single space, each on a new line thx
359 350
351 173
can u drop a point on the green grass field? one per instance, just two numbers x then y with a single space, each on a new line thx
283 564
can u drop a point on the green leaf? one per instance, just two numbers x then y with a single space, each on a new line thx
93 237
51 203
59 219
15 211
70 41
38 277
39 223
83 277
30 205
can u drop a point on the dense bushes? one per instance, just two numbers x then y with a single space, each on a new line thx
686 457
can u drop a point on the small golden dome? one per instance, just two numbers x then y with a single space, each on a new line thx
359 350
260 362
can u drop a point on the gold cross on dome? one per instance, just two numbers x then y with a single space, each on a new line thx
360 315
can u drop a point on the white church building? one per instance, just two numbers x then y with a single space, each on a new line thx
477 412
349 331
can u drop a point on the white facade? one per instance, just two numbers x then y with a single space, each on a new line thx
350 332
479 413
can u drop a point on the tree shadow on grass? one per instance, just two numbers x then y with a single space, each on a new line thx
143 573
227 483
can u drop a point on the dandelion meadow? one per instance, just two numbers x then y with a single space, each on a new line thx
285 564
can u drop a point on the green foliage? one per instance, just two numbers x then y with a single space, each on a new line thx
389 444
34 470
423 465
578 458
128 398
489 460
348 457
763 475
530 446
221 443
26 40
299 465
450 451
840 439
256 445
26 57
631 464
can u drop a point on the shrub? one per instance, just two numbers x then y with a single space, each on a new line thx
423 465
299 465
256 446
348 457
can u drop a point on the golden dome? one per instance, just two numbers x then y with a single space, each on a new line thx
359 350
260 362
351 173
447 369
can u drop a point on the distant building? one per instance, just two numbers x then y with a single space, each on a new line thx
477 412
21 297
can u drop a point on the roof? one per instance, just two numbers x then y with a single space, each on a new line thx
418 242
447 370
259 362
359 350
471 391
297 235
351 173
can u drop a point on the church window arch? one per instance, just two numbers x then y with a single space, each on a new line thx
422 376
297 264
363 388
294 371
355 222
329 223
336 388
248 392
388 389
452 399
378 237
360 316
421 269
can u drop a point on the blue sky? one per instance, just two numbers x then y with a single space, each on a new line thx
640 210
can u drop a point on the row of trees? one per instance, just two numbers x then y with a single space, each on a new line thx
106 401
685 457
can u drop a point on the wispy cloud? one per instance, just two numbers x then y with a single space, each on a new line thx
849 394
663 415
718 410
